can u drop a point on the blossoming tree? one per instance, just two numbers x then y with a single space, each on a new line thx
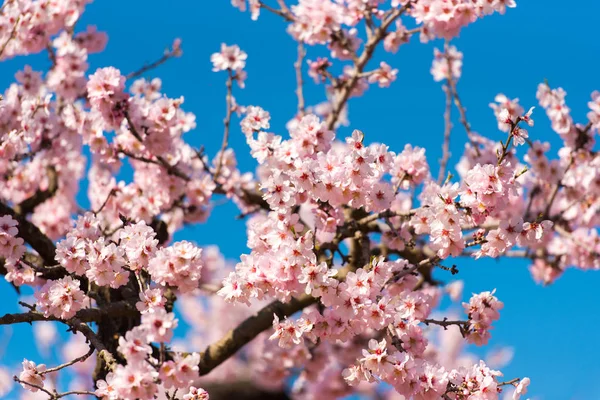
337 290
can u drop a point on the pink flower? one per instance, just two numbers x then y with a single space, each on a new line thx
256 119
446 65
134 346
288 332
384 76
61 298
32 374
178 265
150 299
159 325
521 388
105 84
196 394
11 247
483 309
229 58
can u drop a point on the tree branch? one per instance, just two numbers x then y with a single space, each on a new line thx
175 52
119 309
235 339
342 97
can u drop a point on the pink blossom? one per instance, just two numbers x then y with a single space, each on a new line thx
521 388
61 298
229 58
32 374
158 325
196 394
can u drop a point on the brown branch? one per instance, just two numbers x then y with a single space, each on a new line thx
118 309
49 393
76 392
55 395
68 364
165 57
348 86
511 382
171 170
506 145
236 338
95 341
282 13
445 323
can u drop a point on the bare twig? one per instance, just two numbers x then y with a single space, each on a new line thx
282 13
226 122
557 188
171 170
49 393
118 309
447 120
445 323
67 364
342 96
299 81
165 57
463 115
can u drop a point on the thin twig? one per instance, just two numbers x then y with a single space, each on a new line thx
282 13
49 393
226 122
445 323
341 98
299 81
110 194
557 188
463 116
67 364
165 57
171 170
447 121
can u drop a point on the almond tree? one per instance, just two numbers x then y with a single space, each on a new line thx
344 235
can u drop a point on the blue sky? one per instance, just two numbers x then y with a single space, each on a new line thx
552 329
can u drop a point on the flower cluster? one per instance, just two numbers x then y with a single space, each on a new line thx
444 19
177 265
12 249
348 234
138 378
105 91
447 64
482 310
61 298
32 374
